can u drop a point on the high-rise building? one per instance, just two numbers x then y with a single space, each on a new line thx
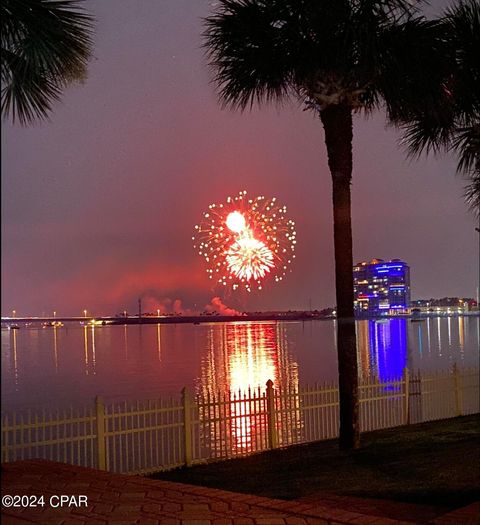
381 287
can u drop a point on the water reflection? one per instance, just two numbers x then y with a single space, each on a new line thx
94 360
428 336
55 349
15 362
439 336
386 347
85 349
115 361
382 348
449 325
420 341
461 335
159 343
125 340
241 358
363 348
246 355
90 364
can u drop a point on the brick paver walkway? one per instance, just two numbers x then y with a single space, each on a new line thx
377 507
126 500
469 515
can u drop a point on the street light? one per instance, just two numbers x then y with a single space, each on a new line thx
14 312
158 312
84 313
54 313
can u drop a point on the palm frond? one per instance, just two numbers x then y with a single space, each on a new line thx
463 36
46 45
472 193
414 61
263 50
467 144
246 47
451 120
428 132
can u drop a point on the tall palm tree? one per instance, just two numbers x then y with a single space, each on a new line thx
45 45
455 125
338 57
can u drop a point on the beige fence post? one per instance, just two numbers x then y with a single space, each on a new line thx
406 393
187 425
100 421
271 416
458 391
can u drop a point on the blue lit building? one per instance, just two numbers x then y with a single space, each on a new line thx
381 287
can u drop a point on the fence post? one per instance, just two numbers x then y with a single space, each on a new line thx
187 425
458 392
406 393
271 416
100 420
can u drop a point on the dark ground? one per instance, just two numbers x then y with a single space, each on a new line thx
435 463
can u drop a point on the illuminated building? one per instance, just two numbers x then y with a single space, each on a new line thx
381 287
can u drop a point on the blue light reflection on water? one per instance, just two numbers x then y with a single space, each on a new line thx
388 348
392 348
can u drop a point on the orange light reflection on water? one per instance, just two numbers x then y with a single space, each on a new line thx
241 358
55 348
363 349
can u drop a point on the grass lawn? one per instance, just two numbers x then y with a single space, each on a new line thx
434 463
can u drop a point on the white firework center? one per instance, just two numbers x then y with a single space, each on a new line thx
248 257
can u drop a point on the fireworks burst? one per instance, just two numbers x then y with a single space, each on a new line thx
245 241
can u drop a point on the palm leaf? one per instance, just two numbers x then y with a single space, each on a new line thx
46 45
472 193
246 44
467 143
266 50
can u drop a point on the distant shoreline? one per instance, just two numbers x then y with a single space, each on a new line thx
201 319
170 319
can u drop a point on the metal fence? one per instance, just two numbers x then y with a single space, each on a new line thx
157 435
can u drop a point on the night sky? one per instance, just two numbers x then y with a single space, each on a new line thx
99 205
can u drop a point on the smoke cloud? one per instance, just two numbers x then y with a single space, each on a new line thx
216 305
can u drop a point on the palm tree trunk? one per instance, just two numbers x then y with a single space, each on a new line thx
337 123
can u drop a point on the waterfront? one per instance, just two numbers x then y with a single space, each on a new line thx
72 364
